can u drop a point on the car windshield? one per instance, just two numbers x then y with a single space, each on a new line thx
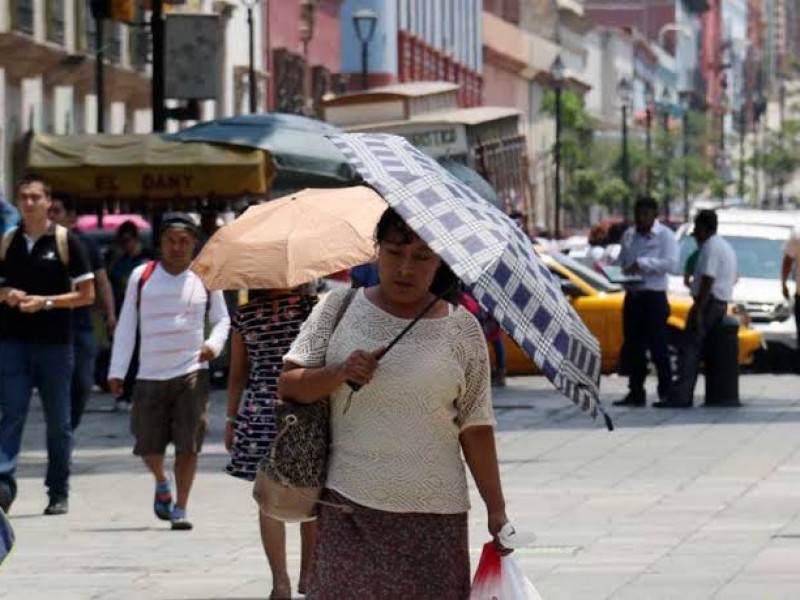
593 278
757 257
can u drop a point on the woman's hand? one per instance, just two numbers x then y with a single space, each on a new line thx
228 435
360 366
496 521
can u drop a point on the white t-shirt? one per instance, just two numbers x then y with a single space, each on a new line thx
397 447
717 259
792 250
173 314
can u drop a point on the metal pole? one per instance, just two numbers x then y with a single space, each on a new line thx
557 161
781 107
667 160
99 84
648 144
625 166
685 127
157 84
251 73
364 65
742 125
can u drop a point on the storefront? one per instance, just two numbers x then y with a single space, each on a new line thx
486 138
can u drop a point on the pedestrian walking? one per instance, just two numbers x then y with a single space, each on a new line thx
44 273
130 254
649 253
395 468
9 216
165 308
263 330
791 258
63 211
712 289
494 336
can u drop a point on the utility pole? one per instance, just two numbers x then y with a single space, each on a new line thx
157 89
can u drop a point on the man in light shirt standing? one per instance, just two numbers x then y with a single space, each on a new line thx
165 308
791 257
712 289
649 253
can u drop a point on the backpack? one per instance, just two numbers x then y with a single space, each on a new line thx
146 274
62 244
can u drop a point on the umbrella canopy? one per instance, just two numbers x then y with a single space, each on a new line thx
298 145
146 167
490 254
472 179
292 240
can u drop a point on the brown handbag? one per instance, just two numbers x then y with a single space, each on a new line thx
290 479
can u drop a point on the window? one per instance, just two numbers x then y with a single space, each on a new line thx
54 12
23 14
593 278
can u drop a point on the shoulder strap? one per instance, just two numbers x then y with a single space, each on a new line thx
146 274
62 245
343 308
8 237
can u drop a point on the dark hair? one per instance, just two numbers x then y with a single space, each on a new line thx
707 219
445 283
34 178
68 201
645 202
128 228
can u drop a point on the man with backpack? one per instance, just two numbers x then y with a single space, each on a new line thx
163 320
44 273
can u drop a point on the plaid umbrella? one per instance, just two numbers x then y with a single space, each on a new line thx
490 254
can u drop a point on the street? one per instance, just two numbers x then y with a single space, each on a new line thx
673 504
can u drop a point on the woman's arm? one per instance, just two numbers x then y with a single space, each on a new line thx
309 385
478 445
237 380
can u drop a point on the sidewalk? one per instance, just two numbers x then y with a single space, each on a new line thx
673 504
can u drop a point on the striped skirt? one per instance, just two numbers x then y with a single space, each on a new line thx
383 555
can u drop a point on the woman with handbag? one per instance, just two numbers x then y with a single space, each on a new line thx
263 330
394 521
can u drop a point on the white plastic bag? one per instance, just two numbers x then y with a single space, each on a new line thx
501 578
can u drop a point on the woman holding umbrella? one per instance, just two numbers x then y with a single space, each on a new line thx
263 330
395 468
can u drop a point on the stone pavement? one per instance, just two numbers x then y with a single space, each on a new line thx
672 505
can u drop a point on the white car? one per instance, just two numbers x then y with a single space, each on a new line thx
758 238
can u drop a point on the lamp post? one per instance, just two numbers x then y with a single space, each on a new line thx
648 140
251 72
557 74
685 127
666 105
364 22
624 91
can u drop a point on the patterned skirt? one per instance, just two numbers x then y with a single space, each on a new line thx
376 554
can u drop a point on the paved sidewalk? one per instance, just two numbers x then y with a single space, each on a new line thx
673 504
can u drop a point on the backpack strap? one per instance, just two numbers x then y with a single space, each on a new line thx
8 237
62 245
146 274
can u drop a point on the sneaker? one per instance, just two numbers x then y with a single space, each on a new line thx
57 506
162 501
179 520
122 405
6 496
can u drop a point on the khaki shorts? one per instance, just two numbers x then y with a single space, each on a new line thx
175 410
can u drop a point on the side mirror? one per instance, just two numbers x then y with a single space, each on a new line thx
571 289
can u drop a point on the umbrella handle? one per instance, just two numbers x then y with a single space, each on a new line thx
354 386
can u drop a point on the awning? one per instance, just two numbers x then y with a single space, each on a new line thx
146 167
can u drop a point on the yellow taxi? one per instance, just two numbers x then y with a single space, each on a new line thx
599 304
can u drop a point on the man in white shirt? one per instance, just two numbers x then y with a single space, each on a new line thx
714 276
649 253
791 257
165 307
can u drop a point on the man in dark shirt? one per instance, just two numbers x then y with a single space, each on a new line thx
41 279
63 211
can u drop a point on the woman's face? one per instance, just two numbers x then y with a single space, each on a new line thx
406 269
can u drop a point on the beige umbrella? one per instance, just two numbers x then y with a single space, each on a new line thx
290 241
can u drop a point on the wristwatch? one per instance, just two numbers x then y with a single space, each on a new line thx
48 304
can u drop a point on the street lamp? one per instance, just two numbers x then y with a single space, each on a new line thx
666 105
557 72
649 100
624 92
364 22
684 97
251 73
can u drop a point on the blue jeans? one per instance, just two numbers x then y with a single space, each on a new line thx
83 376
47 367
499 355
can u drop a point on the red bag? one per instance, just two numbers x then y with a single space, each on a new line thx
501 578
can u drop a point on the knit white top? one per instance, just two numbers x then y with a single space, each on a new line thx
397 447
